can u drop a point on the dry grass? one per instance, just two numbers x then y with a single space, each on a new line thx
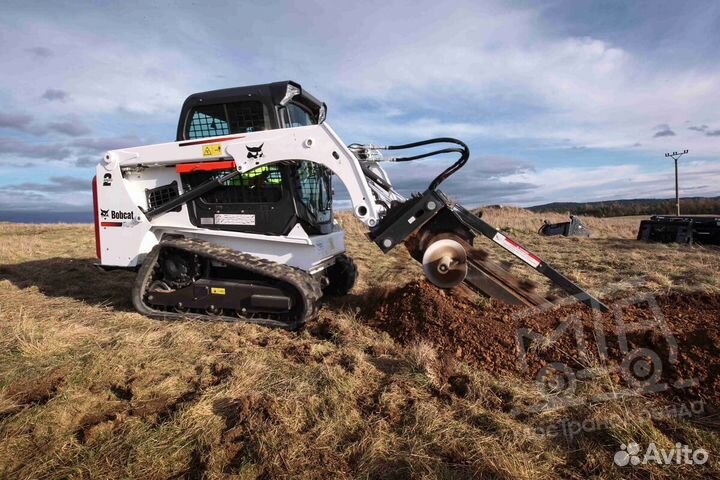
514 220
91 389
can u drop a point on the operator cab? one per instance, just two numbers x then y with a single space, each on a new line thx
271 199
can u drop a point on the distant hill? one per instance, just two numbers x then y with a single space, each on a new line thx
611 208
640 206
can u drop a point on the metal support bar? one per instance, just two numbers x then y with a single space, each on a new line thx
190 195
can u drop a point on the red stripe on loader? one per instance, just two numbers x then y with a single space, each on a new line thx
95 217
205 166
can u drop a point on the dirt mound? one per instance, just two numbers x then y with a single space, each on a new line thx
449 319
657 343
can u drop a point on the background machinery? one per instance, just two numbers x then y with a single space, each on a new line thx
688 229
234 219
574 228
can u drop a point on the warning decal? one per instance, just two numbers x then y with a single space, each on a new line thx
516 250
217 291
212 150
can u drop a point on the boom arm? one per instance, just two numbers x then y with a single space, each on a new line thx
314 143
319 144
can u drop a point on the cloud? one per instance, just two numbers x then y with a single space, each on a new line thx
25 123
58 194
713 133
17 200
665 132
488 192
53 94
698 128
470 192
508 78
498 70
95 67
19 148
40 52
494 166
477 183
73 128
86 161
15 121
56 184
101 145
20 122
613 182
22 165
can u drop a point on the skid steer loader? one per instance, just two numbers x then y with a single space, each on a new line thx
234 220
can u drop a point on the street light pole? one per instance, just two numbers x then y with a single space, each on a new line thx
676 156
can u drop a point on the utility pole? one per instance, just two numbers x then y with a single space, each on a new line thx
676 156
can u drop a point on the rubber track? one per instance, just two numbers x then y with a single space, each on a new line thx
307 287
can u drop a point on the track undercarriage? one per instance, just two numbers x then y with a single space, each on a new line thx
189 278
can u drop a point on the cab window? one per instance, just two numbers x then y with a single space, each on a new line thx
314 182
248 116
224 119
208 121
299 117
261 185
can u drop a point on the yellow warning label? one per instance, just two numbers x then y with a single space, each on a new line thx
217 291
213 150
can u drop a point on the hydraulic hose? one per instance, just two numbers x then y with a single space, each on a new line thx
429 154
464 152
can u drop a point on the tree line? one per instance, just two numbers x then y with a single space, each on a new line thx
617 208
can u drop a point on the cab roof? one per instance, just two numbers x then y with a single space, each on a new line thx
271 93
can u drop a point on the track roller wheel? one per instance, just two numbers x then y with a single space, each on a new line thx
214 311
341 276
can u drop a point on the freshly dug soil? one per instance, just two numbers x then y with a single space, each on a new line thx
648 341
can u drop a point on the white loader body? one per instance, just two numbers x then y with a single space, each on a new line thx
125 235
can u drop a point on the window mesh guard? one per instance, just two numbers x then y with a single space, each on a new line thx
247 116
208 122
161 195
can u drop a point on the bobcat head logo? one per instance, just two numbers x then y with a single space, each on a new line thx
255 152
107 180
104 213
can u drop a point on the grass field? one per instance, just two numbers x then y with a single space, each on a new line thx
91 389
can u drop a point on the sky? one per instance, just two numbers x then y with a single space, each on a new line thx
558 100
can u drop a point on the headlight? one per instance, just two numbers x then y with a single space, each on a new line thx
291 91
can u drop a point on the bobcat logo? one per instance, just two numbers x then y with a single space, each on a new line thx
104 213
107 179
255 152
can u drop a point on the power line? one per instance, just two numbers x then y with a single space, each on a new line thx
676 156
